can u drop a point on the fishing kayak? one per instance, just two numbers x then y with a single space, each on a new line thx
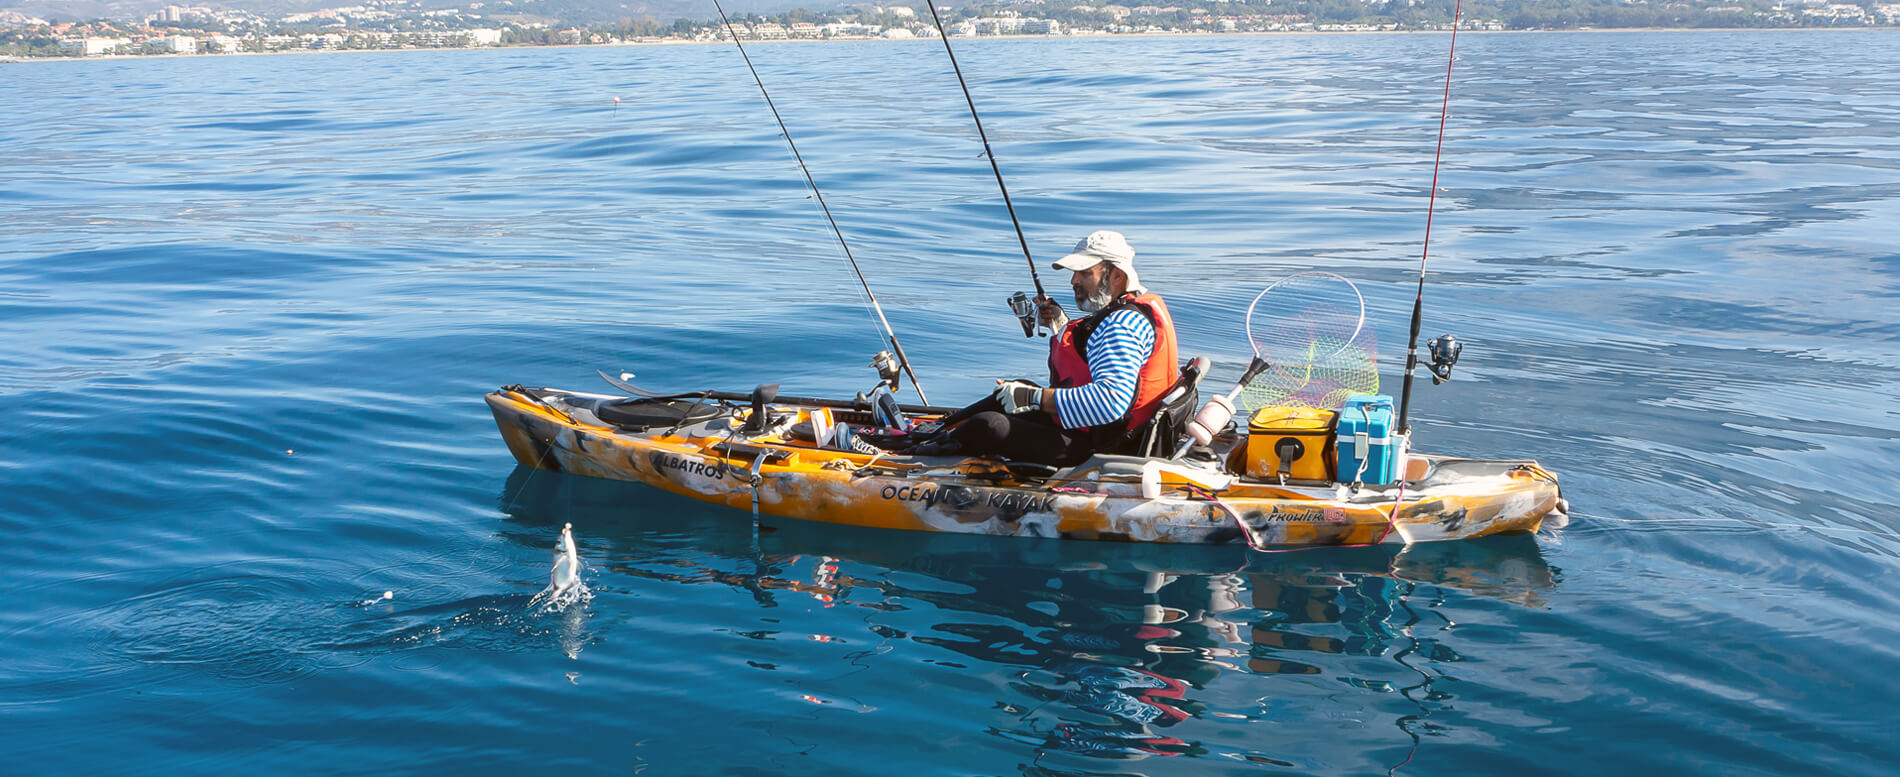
764 458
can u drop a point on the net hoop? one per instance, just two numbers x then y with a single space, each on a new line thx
1359 301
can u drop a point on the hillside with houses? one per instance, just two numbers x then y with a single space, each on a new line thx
411 24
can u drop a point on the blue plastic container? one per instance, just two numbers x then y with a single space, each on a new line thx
1367 451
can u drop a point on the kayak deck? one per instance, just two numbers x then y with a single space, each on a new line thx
708 456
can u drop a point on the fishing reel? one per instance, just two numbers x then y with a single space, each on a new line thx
1444 350
882 399
1025 310
887 369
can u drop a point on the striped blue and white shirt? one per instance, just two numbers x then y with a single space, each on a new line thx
1116 350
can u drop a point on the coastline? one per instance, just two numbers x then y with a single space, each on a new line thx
14 59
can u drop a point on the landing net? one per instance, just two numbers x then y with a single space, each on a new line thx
1312 328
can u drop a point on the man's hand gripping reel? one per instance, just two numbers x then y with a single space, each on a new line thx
1024 307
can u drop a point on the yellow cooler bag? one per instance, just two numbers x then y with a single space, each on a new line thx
1291 442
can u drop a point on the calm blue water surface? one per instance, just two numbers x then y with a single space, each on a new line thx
249 305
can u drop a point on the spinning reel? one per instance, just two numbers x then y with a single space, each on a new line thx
1025 310
1444 350
888 372
882 399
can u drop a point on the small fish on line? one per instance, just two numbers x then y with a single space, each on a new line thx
564 579
567 564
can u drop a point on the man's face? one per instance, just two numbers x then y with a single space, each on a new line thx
1092 292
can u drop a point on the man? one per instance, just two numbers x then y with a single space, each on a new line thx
1107 371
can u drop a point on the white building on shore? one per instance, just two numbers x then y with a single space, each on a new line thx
92 47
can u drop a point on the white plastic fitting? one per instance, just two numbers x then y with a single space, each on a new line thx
1213 417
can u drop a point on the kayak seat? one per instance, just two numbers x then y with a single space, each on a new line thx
1168 427
640 414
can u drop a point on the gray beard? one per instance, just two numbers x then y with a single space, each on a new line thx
1093 304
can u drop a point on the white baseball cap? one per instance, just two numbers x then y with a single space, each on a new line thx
1103 245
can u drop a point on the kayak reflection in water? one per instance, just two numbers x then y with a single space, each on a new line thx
1108 371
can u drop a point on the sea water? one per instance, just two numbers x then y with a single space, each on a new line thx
249 305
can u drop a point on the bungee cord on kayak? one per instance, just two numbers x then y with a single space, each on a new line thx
903 360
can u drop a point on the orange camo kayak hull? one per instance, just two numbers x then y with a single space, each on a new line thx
1130 500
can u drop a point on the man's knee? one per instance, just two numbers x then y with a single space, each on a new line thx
986 428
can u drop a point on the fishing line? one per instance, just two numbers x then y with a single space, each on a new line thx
945 37
902 359
530 478
538 459
1431 203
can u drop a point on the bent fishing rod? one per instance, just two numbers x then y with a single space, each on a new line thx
1033 277
1444 349
902 359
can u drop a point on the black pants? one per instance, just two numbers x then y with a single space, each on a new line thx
1032 436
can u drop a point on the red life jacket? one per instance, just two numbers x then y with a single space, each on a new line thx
1069 363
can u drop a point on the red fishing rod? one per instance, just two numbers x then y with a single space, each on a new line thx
1444 349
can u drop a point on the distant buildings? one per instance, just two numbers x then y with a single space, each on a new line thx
399 24
850 30
1006 23
92 47
1837 14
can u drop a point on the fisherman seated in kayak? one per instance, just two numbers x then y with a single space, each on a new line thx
1108 370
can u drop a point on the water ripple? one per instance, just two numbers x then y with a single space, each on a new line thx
248 306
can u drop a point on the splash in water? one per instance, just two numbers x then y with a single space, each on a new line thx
565 587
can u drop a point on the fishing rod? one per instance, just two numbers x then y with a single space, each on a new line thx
1021 310
1444 349
902 359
